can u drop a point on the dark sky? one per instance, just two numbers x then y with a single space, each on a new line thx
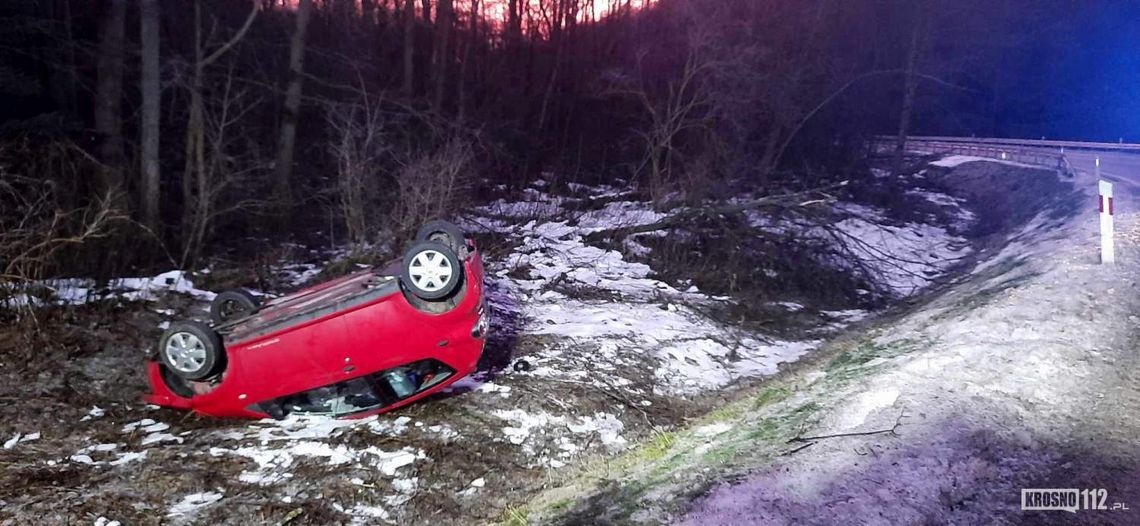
1061 69
1089 63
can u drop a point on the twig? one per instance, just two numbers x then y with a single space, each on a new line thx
798 448
893 430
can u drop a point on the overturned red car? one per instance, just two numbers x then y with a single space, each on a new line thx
359 345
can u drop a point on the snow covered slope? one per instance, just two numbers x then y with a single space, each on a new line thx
1021 375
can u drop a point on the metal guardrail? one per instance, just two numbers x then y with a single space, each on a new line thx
1030 143
1038 155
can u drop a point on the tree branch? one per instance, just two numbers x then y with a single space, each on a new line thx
234 40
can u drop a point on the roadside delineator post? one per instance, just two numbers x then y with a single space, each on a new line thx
1107 251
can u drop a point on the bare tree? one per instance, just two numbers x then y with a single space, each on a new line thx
151 90
35 222
286 144
229 160
409 47
195 184
441 57
368 13
108 99
677 111
356 146
910 85
472 38
514 22
432 184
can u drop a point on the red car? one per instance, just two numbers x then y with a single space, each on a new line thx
359 345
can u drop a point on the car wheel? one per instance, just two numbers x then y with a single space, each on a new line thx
442 232
191 350
233 304
431 270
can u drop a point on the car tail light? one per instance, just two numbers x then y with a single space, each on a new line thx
483 324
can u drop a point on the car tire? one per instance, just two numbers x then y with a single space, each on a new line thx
431 271
233 304
192 350
443 232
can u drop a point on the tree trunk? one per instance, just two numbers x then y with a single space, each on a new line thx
409 47
514 23
440 52
108 100
283 170
427 11
472 38
194 136
151 89
910 86
64 76
368 13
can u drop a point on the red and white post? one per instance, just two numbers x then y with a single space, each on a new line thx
1107 251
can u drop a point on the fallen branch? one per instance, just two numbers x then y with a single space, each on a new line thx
799 448
684 215
893 430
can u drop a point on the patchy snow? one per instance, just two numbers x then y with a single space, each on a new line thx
127 457
146 289
593 320
106 454
155 438
362 513
531 430
20 438
628 315
95 412
903 258
76 291
477 384
192 503
863 405
298 274
790 306
618 214
713 429
273 461
963 218
146 425
955 160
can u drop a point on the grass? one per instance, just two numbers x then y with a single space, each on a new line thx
661 443
561 505
770 396
760 426
515 516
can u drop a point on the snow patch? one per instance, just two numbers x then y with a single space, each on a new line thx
193 502
957 160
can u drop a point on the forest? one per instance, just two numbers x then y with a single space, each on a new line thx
166 132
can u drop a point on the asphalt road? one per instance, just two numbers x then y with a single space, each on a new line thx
1114 166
